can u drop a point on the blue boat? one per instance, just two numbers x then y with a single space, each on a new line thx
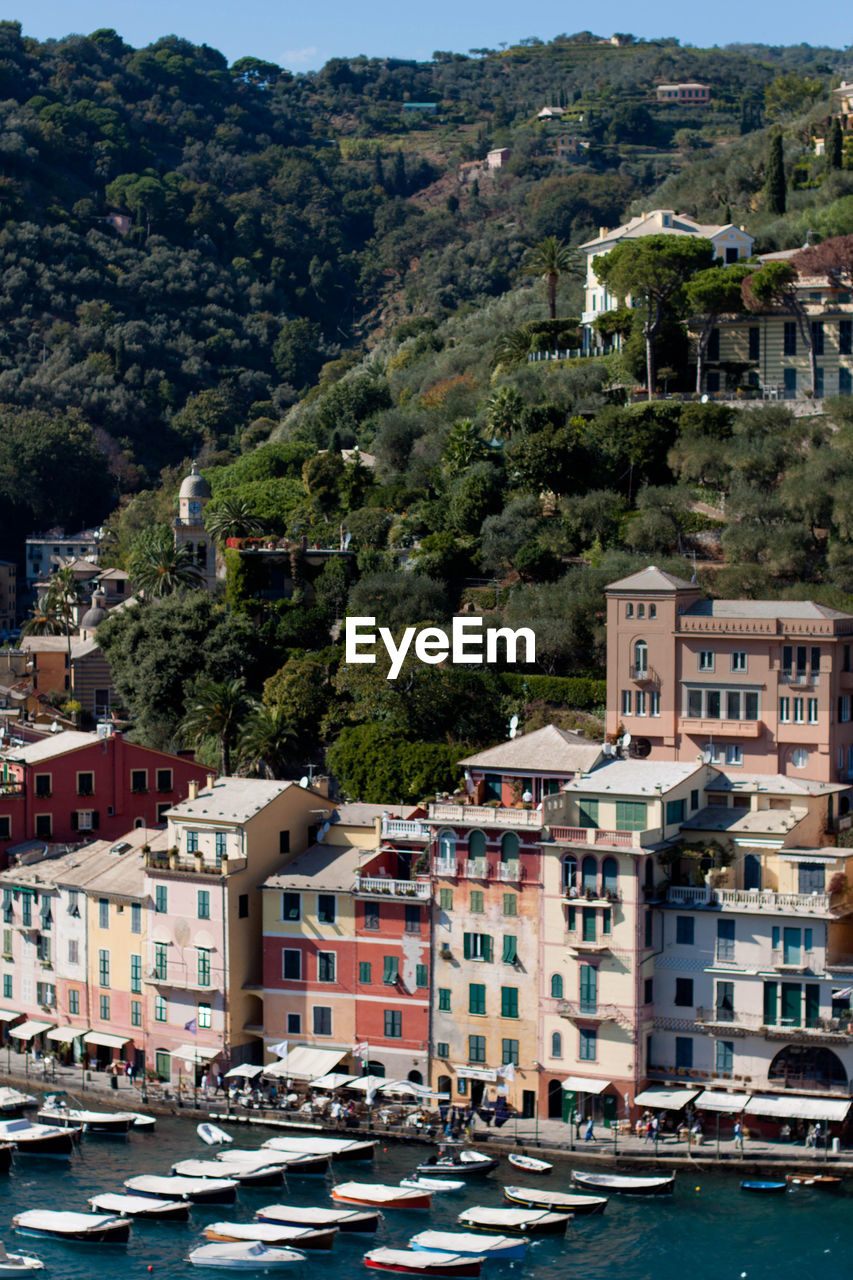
767 1187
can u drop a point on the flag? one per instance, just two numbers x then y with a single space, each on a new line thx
191 1026
281 1049
361 1050
506 1072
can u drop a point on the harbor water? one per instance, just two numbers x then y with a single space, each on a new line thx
708 1229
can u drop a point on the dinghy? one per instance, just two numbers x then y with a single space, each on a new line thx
39 1139
764 1187
526 1222
141 1207
346 1220
292 1164
529 1163
555 1201
88 1228
502 1248
248 1175
56 1111
414 1262
14 1103
18 1264
196 1190
379 1196
458 1164
333 1148
244 1257
143 1123
625 1183
819 1181
273 1233
433 1184
212 1134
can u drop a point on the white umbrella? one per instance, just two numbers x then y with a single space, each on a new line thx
246 1069
334 1080
370 1084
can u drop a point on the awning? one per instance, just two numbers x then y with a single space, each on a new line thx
6 1015
105 1040
665 1099
821 859
305 1062
64 1035
796 1106
194 1053
335 1080
30 1028
716 1100
248 1070
490 1076
371 1084
584 1084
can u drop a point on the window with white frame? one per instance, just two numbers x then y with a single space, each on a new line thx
640 702
799 710
812 710
626 702
706 660
799 757
734 754
654 703
785 710
739 660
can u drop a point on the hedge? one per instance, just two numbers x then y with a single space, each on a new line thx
583 693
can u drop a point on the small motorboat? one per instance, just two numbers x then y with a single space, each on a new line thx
273 1233
417 1262
143 1123
15 1103
293 1165
18 1264
764 1187
529 1163
56 1111
503 1248
31 1139
458 1164
212 1134
556 1201
86 1228
332 1148
818 1181
141 1207
434 1184
346 1220
248 1175
246 1256
524 1222
625 1183
378 1195
196 1190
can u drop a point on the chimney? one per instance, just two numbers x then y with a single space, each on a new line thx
211 778
602 232
192 792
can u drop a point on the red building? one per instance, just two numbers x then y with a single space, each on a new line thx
70 786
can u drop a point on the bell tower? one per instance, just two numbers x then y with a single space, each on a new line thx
193 497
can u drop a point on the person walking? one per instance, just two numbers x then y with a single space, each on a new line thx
589 1136
739 1136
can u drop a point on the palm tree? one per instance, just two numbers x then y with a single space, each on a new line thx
463 446
54 612
550 259
264 742
159 567
217 709
232 518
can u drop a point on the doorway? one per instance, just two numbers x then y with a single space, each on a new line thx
555 1100
478 1088
528 1104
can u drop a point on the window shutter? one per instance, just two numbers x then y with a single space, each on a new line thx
509 952
96 820
487 947
74 821
466 946
770 1004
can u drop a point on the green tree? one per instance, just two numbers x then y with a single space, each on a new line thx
774 176
654 269
297 354
503 411
218 709
708 295
233 518
158 567
834 145
266 739
323 477
550 259
463 446
375 766
774 285
791 94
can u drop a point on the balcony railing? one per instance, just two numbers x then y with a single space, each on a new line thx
795 961
600 835
476 868
592 1011
591 897
483 815
509 872
800 679
748 900
444 867
382 886
404 829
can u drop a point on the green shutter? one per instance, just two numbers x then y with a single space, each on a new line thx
487 947
588 987
509 1002
364 971
444 1001
510 951
466 946
390 969
421 975
477 998
770 995
812 1004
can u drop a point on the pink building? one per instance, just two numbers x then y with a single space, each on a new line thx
766 685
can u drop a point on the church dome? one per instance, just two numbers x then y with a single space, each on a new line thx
92 618
194 485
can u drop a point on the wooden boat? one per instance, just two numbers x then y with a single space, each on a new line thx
212 1134
764 1187
31 1139
433 1184
141 1207
196 1190
458 1164
245 1256
15 1103
555 1201
503 1248
346 1220
416 1262
18 1264
380 1196
527 1222
248 1175
56 1111
300 1166
273 1233
88 1228
625 1183
332 1148
820 1181
529 1163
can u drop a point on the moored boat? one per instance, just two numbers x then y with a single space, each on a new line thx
246 1256
378 1195
434 1184
625 1183
416 1262
56 1111
458 1164
346 1220
273 1233
527 1222
764 1187
505 1248
15 1103
556 1201
88 1228
31 1139
333 1148
196 1190
141 1207
529 1163
292 1163
820 1181
18 1264
212 1134
143 1123
248 1175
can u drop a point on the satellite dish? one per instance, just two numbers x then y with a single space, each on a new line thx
513 731
626 741
513 724
303 781
707 756
640 748
54 728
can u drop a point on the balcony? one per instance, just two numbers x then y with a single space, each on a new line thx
405 829
644 675
508 872
592 1011
726 1023
592 946
591 897
749 900
700 725
793 961
382 886
444 867
601 836
476 868
800 679
483 815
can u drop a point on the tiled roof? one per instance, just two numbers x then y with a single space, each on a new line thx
634 778
321 867
651 579
236 800
546 750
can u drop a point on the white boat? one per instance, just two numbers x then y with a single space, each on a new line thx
415 1262
249 1256
290 1162
18 1264
56 1111
212 1134
197 1190
273 1233
529 1163
88 1228
433 1184
458 1163
143 1122
13 1102
333 1148
378 1195
626 1183
141 1207
516 1221
259 1175
555 1201
507 1248
362 1221
39 1139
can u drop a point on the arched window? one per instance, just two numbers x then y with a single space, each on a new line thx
609 876
375 1068
641 657
629 610
589 873
570 872
653 611
447 846
477 844
190 547
556 1045
509 847
556 986
415 1077
445 1084
641 611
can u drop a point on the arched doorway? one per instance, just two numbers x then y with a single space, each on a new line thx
375 1068
555 1100
415 1077
445 1084
807 1066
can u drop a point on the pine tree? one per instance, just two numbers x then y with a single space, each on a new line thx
400 181
774 183
834 145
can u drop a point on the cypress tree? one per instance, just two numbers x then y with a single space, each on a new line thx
834 144
774 184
